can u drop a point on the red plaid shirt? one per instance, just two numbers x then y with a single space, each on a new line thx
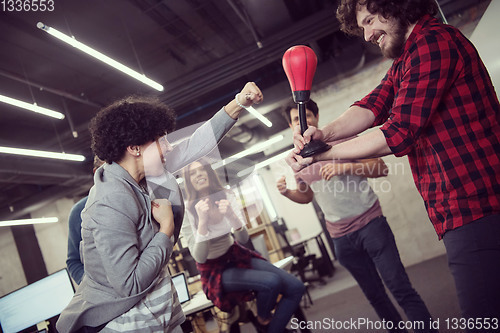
437 105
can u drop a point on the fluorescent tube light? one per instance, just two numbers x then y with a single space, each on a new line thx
256 148
259 116
32 107
262 164
40 153
265 198
98 55
29 221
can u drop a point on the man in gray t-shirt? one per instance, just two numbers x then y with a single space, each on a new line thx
363 241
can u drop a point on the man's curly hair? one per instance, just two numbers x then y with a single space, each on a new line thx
134 120
406 12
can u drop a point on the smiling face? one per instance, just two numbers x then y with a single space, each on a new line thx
198 177
388 34
312 120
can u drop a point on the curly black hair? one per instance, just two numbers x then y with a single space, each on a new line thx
406 12
134 120
310 105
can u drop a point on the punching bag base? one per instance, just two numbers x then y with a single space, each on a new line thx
314 147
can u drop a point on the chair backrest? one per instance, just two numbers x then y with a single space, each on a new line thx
280 229
259 243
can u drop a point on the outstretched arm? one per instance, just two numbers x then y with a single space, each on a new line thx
352 122
371 168
303 194
207 136
370 145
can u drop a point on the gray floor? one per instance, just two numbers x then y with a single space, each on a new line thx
341 299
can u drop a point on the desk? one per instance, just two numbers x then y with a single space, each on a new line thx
327 261
198 303
285 263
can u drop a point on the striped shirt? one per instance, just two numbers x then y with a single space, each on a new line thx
159 311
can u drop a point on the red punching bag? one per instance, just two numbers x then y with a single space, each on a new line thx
299 63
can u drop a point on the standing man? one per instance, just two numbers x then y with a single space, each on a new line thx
437 105
363 240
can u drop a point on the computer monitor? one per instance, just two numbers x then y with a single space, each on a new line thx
181 285
36 302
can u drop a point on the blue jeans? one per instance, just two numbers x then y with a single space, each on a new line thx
371 251
474 260
267 281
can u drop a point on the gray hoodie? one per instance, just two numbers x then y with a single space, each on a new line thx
122 251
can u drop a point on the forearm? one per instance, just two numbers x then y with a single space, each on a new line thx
73 261
202 228
370 145
201 142
232 109
199 251
130 271
75 269
353 121
298 196
371 168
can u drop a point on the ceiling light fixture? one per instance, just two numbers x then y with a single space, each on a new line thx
271 211
29 221
40 153
263 164
98 55
254 149
32 107
259 116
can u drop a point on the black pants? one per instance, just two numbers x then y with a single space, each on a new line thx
474 260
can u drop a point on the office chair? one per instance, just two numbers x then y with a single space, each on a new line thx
303 263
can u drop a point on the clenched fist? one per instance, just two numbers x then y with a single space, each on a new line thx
281 184
163 214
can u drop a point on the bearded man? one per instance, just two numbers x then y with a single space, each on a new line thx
436 105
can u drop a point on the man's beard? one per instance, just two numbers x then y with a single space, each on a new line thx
396 43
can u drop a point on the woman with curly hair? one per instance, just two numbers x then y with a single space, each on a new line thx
127 235
230 273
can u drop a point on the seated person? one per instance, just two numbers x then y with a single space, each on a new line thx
231 273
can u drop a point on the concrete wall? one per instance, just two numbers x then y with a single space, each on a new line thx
11 270
52 239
